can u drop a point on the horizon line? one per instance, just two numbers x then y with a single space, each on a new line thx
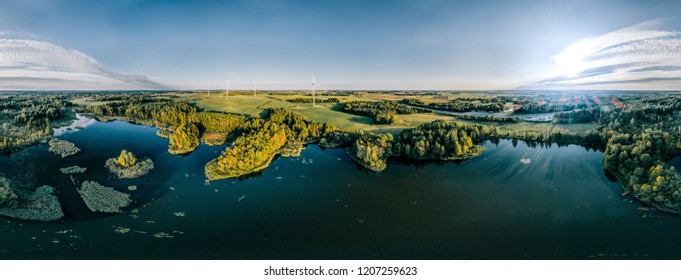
355 90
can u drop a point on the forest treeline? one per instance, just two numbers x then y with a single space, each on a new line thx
577 116
438 140
550 104
441 140
383 112
645 136
319 100
28 118
461 105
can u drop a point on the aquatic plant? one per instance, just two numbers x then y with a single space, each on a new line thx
73 169
103 199
161 235
121 229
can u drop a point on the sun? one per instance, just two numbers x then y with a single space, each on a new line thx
571 61
571 69
569 65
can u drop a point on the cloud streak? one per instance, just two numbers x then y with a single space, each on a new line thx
642 56
32 64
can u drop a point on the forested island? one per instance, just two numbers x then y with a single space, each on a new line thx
127 166
639 133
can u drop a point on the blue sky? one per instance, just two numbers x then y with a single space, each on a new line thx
445 45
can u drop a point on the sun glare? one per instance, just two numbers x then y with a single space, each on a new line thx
570 69
571 62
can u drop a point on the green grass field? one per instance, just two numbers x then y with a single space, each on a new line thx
325 112
87 103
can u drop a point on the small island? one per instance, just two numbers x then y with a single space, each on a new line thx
72 170
126 165
62 148
104 199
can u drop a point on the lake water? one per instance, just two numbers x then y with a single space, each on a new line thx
510 203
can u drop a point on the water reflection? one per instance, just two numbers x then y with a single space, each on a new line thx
80 122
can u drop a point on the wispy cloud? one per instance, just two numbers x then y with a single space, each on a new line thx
642 56
32 64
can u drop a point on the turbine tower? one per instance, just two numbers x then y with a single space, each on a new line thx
314 85
227 90
254 90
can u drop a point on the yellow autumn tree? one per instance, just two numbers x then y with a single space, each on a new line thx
126 159
184 139
249 153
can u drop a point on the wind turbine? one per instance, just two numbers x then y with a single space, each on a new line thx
227 90
314 85
208 90
254 90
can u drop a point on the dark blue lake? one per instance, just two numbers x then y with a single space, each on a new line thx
510 203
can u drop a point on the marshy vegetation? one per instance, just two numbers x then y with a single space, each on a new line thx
72 170
103 199
383 112
40 205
